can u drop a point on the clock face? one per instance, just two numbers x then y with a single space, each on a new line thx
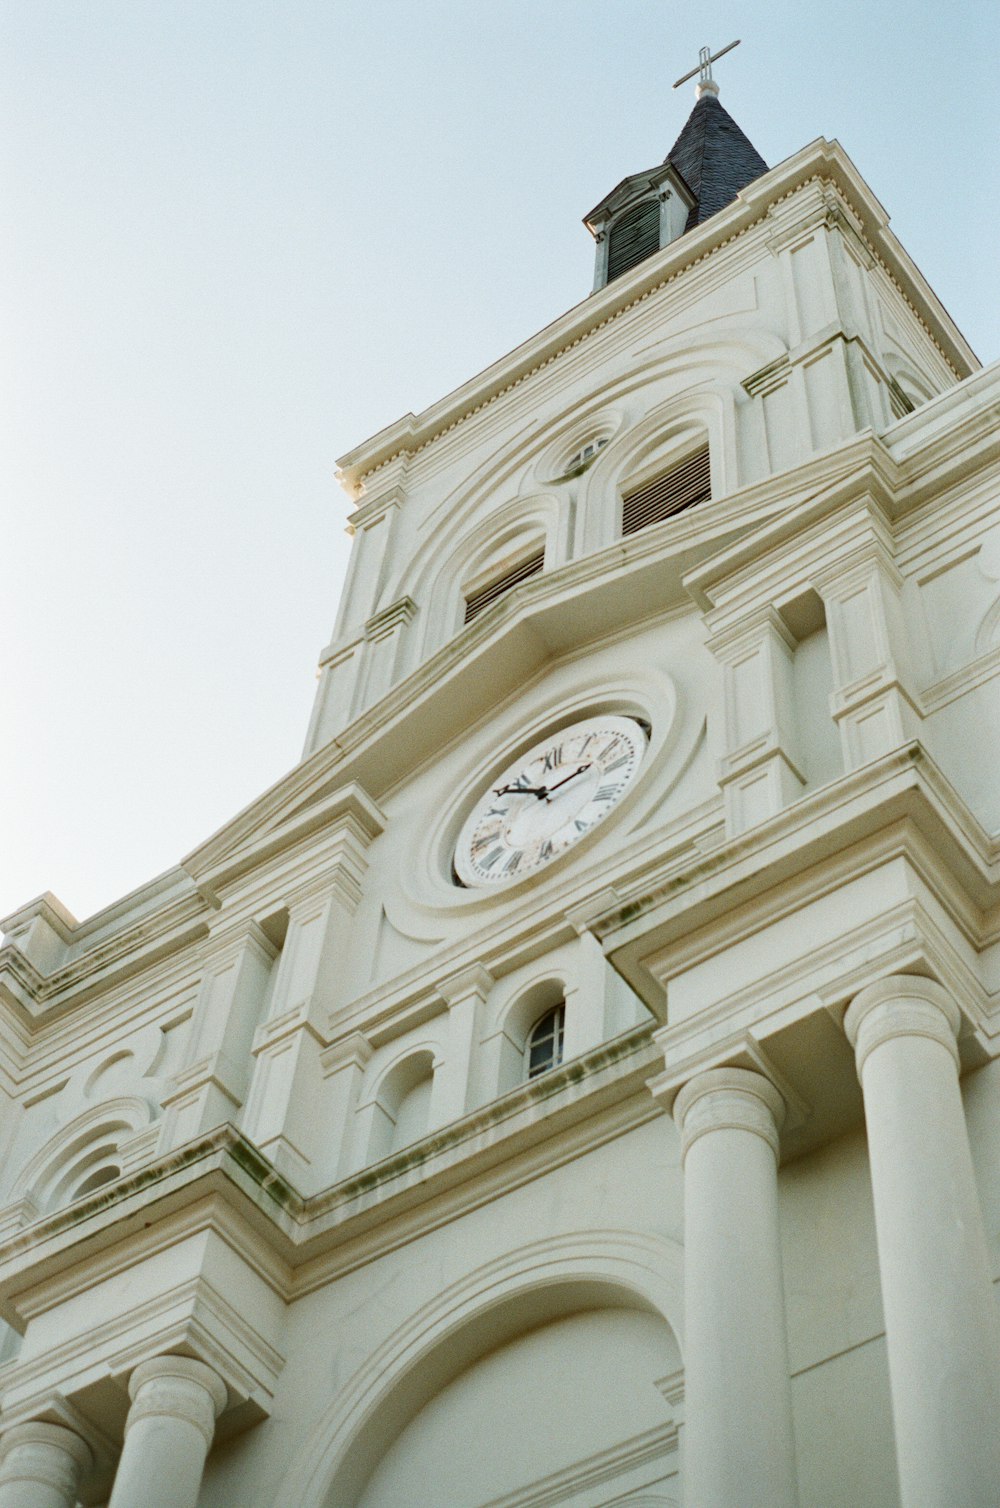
551 798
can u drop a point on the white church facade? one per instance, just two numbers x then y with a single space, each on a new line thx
575 1082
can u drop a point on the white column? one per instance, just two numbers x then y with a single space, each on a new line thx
739 1447
40 1466
175 1403
942 1330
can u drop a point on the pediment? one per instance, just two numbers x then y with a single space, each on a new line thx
633 188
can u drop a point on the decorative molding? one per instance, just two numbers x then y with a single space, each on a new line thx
252 838
389 619
352 1051
823 165
958 683
603 1466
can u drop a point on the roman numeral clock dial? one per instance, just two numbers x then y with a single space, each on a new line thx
555 794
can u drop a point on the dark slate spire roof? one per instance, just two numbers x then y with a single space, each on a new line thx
714 158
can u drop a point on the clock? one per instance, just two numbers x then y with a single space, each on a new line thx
552 797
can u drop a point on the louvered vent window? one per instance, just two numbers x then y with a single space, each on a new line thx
671 492
478 602
634 238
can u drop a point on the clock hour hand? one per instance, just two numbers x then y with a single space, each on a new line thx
521 790
578 771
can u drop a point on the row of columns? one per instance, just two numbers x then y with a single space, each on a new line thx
175 1403
941 1321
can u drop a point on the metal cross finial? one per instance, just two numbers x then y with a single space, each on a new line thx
705 61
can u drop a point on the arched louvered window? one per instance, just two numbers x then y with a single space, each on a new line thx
478 601
680 487
633 238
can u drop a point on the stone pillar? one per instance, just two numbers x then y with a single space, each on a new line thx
942 1330
739 1447
175 1403
41 1465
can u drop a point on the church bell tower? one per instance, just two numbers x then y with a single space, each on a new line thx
575 1082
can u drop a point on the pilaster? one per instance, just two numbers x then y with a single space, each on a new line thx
453 1091
343 1064
759 774
873 704
287 1081
384 636
210 1089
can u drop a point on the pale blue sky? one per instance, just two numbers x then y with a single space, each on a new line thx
240 237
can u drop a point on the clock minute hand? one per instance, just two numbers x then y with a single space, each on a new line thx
578 771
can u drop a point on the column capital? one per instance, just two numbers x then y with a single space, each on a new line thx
728 1099
177 1387
903 1005
44 1453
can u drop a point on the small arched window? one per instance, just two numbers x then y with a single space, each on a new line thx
544 1047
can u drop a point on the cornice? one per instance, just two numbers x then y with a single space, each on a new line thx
821 161
899 803
265 828
146 942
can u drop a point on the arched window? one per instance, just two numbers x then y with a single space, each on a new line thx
544 1047
682 485
502 577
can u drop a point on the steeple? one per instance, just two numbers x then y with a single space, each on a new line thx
713 156
708 164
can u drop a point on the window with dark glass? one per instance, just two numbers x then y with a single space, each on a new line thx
633 238
545 1041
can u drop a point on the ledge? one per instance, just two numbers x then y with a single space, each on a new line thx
222 1180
